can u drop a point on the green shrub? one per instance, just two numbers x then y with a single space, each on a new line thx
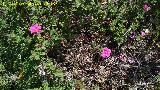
22 54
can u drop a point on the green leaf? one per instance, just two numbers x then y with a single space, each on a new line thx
79 2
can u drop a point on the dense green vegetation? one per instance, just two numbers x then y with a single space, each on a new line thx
37 35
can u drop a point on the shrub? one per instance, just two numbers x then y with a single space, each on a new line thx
29 29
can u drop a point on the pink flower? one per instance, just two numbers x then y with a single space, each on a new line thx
106 52
143 33
146 7
34 29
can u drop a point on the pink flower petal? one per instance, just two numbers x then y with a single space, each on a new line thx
146 7
106 52
34 29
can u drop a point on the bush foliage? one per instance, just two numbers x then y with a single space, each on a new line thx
24 60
